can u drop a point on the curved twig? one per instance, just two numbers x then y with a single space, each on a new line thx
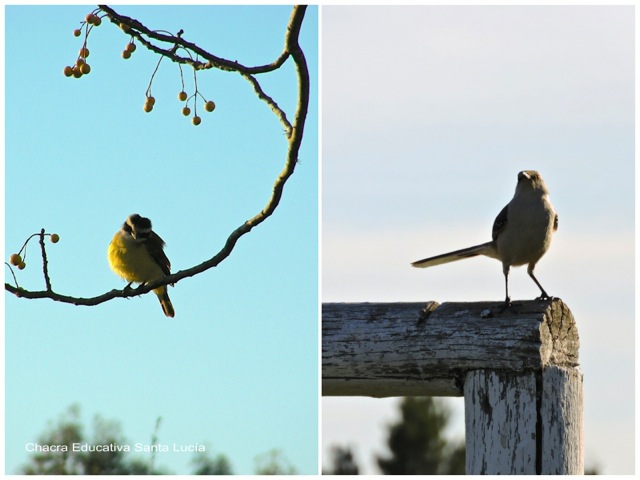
139 31
294 139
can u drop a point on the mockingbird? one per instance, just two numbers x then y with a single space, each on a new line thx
521 232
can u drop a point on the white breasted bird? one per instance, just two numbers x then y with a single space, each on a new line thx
136 254
521 232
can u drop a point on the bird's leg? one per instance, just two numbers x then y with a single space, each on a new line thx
128 289
543 295
507 300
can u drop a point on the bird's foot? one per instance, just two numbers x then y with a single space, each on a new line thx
128 290
544 296
505 305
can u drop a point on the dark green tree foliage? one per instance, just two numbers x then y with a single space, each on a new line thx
456 458
273 462
205 465
417 442
592 470
68 431
343 462
105 463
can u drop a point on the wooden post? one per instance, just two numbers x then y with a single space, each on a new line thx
517 370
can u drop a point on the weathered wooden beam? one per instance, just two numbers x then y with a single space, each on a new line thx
517 370
383 350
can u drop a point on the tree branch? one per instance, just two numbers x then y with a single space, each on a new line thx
138 30
45 263
294 138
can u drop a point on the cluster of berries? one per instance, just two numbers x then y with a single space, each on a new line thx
128 50
17 261
209 106
81 67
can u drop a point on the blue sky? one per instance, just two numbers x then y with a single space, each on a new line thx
429 112
237 367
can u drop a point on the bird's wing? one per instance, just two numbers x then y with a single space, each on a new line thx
154 246
499 223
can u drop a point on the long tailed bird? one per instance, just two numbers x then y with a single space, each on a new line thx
521 232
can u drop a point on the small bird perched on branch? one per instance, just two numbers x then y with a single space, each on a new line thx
136 254
521 232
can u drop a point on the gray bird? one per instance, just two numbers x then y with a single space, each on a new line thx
521 233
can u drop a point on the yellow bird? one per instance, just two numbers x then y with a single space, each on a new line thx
136 254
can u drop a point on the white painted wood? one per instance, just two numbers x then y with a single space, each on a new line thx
524 423
562 421
500 422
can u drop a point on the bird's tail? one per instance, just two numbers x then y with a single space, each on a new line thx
483 249
165 302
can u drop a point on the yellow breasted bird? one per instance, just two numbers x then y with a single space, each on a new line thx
136 254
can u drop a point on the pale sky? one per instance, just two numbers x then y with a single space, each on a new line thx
428 115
